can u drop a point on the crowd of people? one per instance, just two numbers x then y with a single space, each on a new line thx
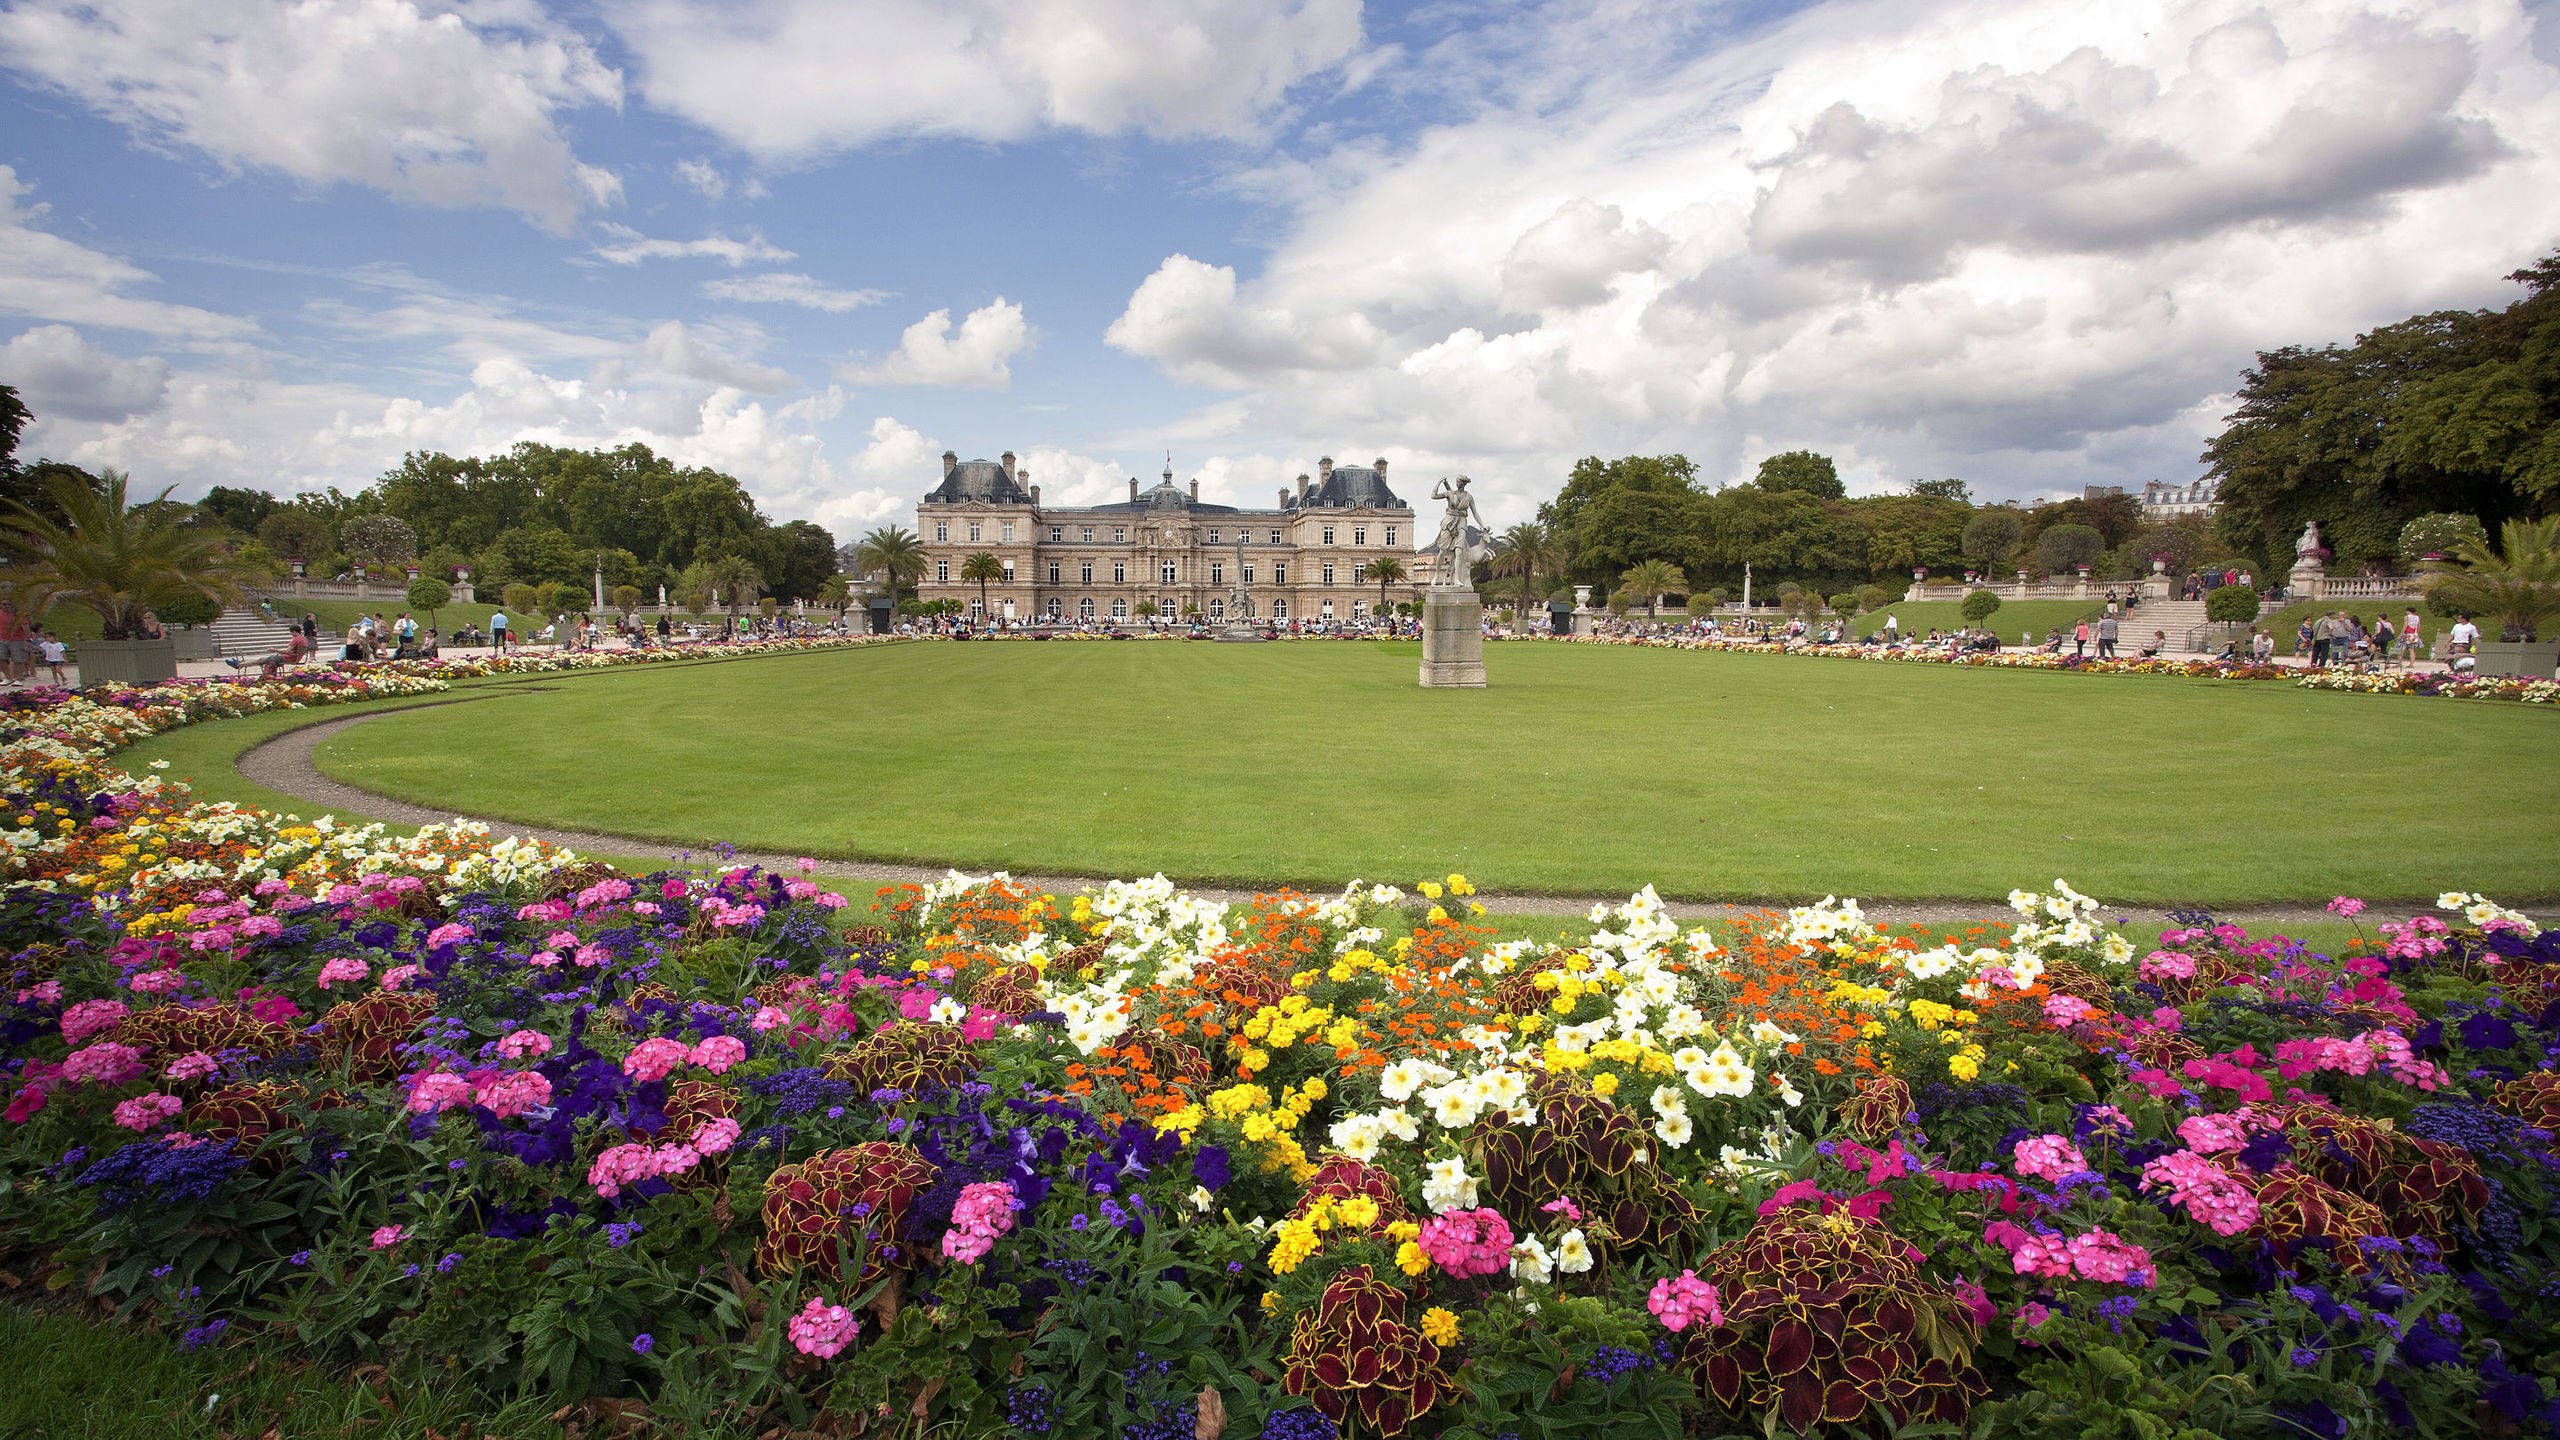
2339 639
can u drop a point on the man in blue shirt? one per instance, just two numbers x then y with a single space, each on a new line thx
498 632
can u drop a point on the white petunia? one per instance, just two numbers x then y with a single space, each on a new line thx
1573 1253
1450 1187
1530 1261
1674 1130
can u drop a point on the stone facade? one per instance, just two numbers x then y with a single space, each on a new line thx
1301 560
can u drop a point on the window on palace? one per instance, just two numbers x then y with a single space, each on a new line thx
1084 607
974 529
1279 572
1087 575
1248 572
1053 573
1055 609
1213 535
1119 609
977 608
1328 574
1327 612
1119 572
1088 534
1008 572
1275 537
942 532
1217 608
1057 533
1170 575
942 572
1359 608
1119 534
1391 535
1328 534
1359 534
1279 609
1217 573
1005 532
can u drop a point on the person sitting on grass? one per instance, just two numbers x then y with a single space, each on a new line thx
2159 642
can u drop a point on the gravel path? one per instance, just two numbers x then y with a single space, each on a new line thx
285 764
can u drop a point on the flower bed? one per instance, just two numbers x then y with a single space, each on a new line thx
2527 691
1141 1163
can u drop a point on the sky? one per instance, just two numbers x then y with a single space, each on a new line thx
815 243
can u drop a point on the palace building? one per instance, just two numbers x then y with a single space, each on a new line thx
1165 548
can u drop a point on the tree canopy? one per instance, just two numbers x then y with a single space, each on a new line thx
1801 470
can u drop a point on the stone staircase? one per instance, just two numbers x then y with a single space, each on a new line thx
246 633
2174 617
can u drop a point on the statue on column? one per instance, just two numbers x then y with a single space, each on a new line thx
1453 559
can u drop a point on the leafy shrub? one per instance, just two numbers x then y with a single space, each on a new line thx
2440 534
1979 606
2232 605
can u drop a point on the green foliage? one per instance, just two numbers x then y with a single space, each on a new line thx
189 609
2440 535
242 510
2068 546
1949 489
626 598
1801 470
294 533
893 552
1979 606
1873 597
378 541
1650 581
91 547
430 595
518 599
2457 412
2518 583
547 597
1701 606
1991 538
2231 605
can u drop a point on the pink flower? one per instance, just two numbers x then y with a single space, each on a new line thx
2063 1011
343 969
515 1092
2048 1157
589 957
398 976
2214 1197
448 934
524 1045
2215 1134
194 1065
432 1092
1562 1206
983 1212
822 1329
2346 906
622 1165
1684 1300
107 1063
2167 965
388 1236
716 1136
769 1017
2031 1315
719 1052
543 959
147 1112
1468 1242
47 993
653 1058
90 1018
560 940
158 982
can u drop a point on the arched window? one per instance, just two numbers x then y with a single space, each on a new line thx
1055 609
1279 609
1217 608
1119 609
1084 608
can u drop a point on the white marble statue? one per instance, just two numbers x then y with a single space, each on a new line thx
1453 559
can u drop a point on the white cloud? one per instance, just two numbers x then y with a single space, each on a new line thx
784 288
704 177
49 278
789 79
629 247
439 105
61 375
711 354
976 356
2020 241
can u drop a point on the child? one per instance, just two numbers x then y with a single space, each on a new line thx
54 651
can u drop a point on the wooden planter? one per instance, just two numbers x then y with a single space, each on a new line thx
126 662
2533 659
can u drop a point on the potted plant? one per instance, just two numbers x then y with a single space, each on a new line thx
92 547
2516 588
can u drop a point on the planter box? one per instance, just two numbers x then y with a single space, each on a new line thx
126 662
2532 659
193 642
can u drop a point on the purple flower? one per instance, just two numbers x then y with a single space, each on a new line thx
643 1343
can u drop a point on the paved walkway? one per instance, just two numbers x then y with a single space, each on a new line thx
285 764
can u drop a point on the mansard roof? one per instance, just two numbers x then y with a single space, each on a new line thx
1354 485
978 480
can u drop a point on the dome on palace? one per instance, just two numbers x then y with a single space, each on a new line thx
978 480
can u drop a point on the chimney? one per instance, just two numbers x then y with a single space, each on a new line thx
950 462
1035 494
1284 497
1302 489
1133 489
1007 459
1195 489
1380 465
1324 469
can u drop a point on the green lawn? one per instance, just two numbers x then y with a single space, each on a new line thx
2012 619
1584 770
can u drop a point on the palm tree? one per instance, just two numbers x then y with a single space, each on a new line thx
1147 611
892 551
735 576
117 559
2518 583
982 567
1652 579
1525 550
1386 570
837 594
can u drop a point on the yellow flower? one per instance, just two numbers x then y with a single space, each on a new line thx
1359 1212
1410 1259
1439 1326
1438 916
1458 885
1270 1302
1604 1085
1430 889
1963 1067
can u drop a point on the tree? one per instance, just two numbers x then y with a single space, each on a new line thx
518 599
2068 547
1147 610
798 559
1652 580
88 545
980 569
2231 604
1801 470
1991 537
893 552
1979 606
626 598
1612 513
14 416
1523 552
1951 489
837 594
2438 536
735 579
2518 583
1386 570
378 541
242 510
429 594
294 533
1844 603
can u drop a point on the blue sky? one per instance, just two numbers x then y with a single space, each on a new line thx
817 242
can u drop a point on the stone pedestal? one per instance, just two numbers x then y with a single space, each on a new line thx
1452 640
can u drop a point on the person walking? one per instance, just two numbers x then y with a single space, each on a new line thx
2383 638
2323 631
16 659
2465 635
2412 647
54 654
2080 640
2107 635
498 632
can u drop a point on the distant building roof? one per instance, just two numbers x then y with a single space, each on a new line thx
1163 496
978 480
1351 485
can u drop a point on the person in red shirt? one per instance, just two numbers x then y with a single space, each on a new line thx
14 654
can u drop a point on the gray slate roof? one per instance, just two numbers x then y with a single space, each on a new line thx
1351 485
978 480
